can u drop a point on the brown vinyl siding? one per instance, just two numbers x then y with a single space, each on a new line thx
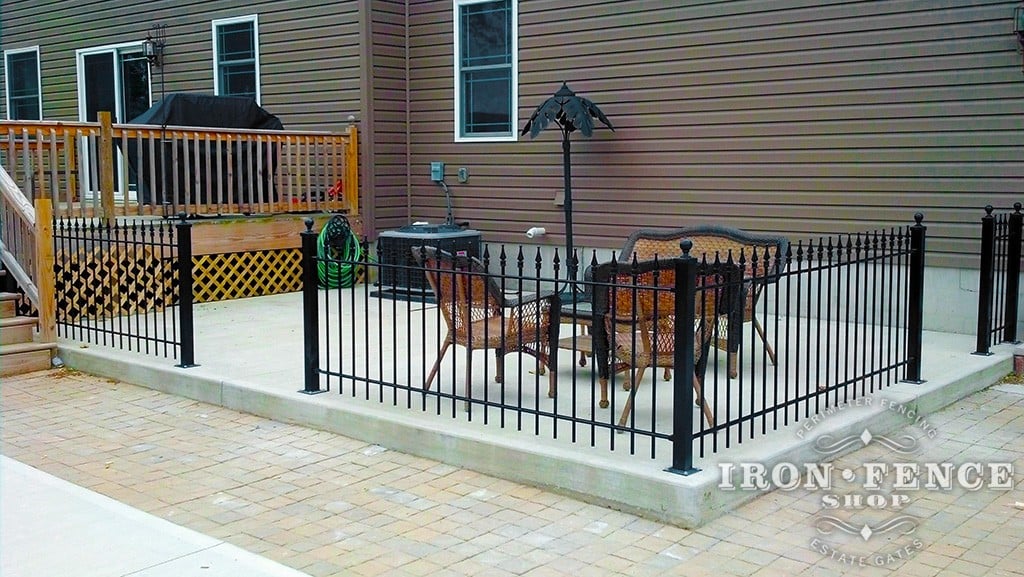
390 126
309 52
803 118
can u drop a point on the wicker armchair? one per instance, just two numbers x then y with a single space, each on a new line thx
479 316
764 259
639 325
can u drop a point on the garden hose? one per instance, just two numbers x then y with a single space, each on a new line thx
337 250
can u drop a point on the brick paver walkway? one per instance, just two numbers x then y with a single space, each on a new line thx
329 505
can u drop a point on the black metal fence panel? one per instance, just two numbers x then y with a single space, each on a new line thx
120 284
604 361
999 277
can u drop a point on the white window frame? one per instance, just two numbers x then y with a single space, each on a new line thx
514 97
255 19
91 189
7 79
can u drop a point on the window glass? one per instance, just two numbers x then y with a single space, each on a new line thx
237 59
23 85
485 68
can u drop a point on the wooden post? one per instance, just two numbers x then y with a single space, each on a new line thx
106 154
352 170
45 281
71 165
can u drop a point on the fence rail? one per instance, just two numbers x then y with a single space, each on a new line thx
126 284
999 279
843 318
92 169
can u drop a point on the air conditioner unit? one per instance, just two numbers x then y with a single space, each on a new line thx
398 268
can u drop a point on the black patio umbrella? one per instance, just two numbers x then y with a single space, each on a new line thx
571 113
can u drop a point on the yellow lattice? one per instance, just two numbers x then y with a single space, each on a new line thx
107 282
218 277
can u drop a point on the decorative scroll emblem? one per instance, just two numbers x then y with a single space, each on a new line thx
904 444
905 524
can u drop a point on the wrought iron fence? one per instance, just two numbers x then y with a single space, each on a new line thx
999 280
126 284
841 316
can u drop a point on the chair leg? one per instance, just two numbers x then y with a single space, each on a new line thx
469 375
603 403
628 408
499 366
734 365
667 376
437 365
552 383
767 346
708 415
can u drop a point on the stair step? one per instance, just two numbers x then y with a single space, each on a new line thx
16 330
8 305
16 359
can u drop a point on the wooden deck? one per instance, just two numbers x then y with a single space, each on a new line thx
109 170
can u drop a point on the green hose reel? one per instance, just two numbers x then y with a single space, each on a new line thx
338 250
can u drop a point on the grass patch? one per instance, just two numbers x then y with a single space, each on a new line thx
1012 379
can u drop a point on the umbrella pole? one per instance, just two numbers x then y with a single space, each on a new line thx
567 206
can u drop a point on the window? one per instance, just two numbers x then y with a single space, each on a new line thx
21 69
236 57
485 70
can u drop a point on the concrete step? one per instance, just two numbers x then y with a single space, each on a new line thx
8 305
17 330
21 358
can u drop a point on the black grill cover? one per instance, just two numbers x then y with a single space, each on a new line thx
202 110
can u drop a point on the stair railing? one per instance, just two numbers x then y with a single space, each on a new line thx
26 249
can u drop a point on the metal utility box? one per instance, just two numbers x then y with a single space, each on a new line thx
394 252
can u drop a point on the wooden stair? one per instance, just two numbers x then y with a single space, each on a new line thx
19 353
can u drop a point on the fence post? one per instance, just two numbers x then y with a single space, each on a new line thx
185 318
44 274
986 281
1016 222
915 304
682 377
310 314
106 167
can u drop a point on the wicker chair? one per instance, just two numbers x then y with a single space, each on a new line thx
480 316
763 256
640 324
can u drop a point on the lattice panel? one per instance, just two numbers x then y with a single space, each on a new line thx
219 277
113 282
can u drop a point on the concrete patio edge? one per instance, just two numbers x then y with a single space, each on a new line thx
645 489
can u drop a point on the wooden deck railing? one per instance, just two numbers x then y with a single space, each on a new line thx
26 249
102 169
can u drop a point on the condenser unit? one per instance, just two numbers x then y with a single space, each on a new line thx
398 268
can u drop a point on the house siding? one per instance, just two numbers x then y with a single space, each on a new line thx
309 52
799 117
390 127
795 117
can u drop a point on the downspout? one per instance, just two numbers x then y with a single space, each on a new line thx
408 120
367 126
